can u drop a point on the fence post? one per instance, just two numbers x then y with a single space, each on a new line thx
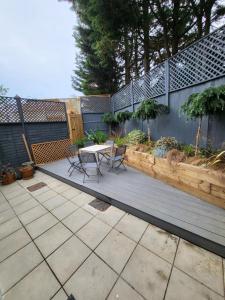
20 111
112 104
167 82
132 95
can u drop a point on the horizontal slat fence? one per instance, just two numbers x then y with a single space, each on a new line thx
38 120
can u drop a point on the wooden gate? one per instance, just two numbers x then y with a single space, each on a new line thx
76 126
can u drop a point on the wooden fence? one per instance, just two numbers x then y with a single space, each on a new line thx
75 126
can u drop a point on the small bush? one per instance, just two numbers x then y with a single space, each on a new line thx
81 142
97 137
136 137
119 141
167 143
189 150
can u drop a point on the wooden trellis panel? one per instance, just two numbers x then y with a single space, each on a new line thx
49 151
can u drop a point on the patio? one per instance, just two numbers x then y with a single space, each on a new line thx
57 244
154 201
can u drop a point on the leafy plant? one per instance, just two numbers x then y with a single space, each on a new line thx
217 160
149 109
81 142
136 137
122 117
110 120
198 105
167 142
98 137
120 141
189 150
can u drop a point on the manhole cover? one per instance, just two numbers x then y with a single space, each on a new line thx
99 205
36 186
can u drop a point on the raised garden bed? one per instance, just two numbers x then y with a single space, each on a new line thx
207 184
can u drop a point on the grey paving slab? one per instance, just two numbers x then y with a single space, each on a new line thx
39 284
13 242
152 196
6 215
64 210
147 273
111 216
32 214
45 196
20 199
67 258
22 207
18 265
4 206
122 291
160 242
82 199
15 193
70 193
61 187
200 264
9 227
40 191
52 239
92 281
116 249
54 202
77 219
93 233
41 224
182 286
61 295
132 227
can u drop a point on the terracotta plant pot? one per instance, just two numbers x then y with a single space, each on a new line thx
8 178
26 172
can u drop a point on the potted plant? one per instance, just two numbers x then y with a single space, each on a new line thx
7 174
27 170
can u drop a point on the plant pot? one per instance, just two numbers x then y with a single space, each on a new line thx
8 178
27 172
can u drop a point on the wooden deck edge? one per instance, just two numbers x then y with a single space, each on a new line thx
180 232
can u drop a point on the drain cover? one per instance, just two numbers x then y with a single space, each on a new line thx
36 186
99 205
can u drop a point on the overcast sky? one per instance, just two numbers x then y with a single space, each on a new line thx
37 51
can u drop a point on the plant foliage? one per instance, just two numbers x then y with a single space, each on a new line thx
97 137
150 109
123 116
136 137
109 119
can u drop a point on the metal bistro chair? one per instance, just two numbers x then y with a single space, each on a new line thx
107 154
71 155
118 157
89 161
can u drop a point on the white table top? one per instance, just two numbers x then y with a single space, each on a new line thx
95 148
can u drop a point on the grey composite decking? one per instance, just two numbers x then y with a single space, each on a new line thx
155 201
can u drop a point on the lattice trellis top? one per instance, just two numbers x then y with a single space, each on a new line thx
95 104
202 61
31 110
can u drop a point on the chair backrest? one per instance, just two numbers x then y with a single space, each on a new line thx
85 157
120 151
71 151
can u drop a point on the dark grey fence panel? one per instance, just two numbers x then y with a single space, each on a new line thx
12 149
94 122
40 121
93 108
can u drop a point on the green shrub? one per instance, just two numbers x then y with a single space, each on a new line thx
97 137
136 137
167 143
120 141
189 150
81 142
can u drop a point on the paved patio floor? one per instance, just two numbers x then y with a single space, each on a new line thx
53 243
